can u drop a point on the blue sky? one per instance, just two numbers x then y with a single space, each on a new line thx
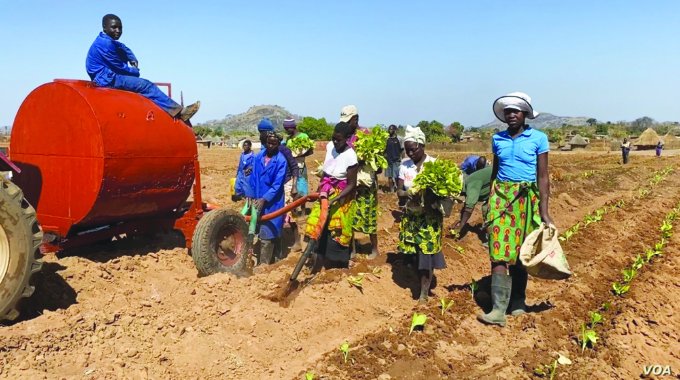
397 61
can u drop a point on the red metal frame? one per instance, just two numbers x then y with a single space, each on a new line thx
184 221
168 85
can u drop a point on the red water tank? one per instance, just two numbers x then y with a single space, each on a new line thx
92 157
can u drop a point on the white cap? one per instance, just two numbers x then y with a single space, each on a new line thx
347 113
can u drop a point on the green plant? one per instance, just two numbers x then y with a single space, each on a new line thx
628 274
473 286
643 192
599 212
345 351
659 246
639 262
566 235
650 253
356 281
417 320
606 306
620 289
445 305
442 177
551 369
299 145
587 336
595 318
370 147
310 375
460 249
575 228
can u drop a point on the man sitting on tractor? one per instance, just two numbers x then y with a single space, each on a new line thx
107 64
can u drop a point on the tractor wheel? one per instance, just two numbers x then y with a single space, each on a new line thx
20 257
220 244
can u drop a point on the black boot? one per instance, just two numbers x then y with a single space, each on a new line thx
518 295
266 251
501 285
425 282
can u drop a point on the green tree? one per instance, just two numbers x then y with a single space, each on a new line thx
316 129
602 129
200 130
639 125
591 121
455 131
433 130
219 132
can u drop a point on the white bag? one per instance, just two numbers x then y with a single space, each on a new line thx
365 176
542 254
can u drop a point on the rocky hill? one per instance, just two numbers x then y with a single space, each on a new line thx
248 120
544 120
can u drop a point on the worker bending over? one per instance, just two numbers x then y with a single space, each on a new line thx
111 64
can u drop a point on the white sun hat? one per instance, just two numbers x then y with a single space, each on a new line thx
517 100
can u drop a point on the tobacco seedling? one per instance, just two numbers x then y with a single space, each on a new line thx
595 318
566 236
651 253
417 320
606 306
659 246
643 192
454 233
460 249
445 305
638 263
620 289
575 227
345 351
309 376
628 275
599 212
587 336
356 281
473 286
551 369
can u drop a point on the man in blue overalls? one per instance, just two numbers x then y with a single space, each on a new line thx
107 65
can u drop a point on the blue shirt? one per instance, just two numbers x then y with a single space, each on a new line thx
469 166
108 57
518 158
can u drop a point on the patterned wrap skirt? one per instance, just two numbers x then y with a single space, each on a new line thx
420 233
512 216
366 210
340 216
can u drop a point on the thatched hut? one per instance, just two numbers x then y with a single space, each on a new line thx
647 140
670 141
578 142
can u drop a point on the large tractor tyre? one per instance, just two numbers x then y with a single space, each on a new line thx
220 244
20 257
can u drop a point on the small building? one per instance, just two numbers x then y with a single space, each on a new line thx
647 140
578 142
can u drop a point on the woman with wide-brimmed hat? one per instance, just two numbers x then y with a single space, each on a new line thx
518 202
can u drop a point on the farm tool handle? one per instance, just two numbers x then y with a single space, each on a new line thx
286 208
313 239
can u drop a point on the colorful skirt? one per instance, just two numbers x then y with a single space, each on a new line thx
420 232
366 210
339 223
514 215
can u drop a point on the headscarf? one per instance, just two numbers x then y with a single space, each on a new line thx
265 125
275 135
414 134
289 122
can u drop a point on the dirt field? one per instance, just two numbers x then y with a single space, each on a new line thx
135 308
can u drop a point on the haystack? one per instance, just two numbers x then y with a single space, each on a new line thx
578 142
647 140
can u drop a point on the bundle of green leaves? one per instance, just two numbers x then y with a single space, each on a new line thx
442 177
299 145
370 148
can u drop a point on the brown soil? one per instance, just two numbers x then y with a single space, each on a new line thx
135 308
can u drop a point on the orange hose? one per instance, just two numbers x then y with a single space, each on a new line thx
323 216
288 207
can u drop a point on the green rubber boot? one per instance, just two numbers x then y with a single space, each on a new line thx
501 285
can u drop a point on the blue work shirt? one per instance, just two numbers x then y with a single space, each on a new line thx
469 166
267 182
108 58
242 183
517 159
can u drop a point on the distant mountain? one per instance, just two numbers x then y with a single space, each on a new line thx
248 120
544 120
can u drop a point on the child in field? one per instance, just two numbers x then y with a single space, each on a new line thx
245 168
